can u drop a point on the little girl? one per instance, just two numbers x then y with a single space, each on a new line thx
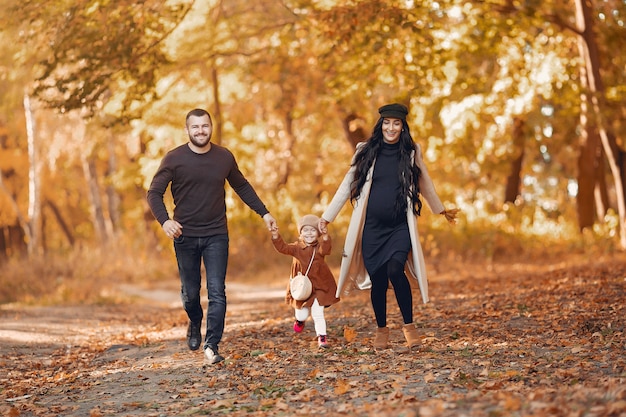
324 287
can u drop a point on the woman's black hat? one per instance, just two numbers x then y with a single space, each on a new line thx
395 110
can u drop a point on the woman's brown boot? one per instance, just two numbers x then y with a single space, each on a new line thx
382 337
411 336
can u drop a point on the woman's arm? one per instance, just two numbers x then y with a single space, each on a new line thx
427 189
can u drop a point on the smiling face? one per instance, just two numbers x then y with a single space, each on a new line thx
309 234
391 129
199 129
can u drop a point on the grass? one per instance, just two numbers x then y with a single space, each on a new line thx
83 274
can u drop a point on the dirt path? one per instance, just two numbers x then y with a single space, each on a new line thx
516 342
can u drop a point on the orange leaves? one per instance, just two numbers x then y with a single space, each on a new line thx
341 387
306 395
491 346
13 412
429 377
349 334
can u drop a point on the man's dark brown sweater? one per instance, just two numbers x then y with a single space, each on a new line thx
197 185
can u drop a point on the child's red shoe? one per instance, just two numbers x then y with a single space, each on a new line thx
298 326
321 341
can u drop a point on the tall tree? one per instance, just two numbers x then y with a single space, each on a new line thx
597 128
34 180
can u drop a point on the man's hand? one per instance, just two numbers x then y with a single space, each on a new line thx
270 222
172 229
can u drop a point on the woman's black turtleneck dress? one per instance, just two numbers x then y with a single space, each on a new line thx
385 237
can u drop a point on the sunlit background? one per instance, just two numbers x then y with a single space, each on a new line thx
518 106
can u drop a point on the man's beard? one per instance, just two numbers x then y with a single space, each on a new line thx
200 143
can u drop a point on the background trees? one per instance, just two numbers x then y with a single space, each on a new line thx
519 106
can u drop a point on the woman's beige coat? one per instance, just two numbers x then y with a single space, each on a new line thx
352 269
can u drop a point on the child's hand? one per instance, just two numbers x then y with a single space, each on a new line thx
274 231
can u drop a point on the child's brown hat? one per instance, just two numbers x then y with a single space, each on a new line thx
309 220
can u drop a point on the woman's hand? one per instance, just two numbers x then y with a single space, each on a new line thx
323 226
450 215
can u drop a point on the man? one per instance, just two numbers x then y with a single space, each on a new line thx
197 172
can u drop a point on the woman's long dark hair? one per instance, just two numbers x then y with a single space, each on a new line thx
408 173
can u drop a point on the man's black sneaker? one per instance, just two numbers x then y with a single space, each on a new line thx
194 336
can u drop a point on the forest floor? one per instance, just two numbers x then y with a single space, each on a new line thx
507 340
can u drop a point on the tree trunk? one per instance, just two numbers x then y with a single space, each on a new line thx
620 159
22 222
67 231
34 182
589 52
286 159
587 168
514 180
217 116
12 241
113 197
97 213
601 191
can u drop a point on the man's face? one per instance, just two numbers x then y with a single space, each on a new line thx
199 129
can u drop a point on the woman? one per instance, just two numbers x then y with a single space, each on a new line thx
386 177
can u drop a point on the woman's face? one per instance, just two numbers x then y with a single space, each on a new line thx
391 129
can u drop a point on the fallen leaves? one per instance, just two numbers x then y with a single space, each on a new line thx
341 387
349 334
547 342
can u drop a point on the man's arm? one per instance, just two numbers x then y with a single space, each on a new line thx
248 195
157 188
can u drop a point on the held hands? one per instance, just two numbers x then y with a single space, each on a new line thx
450 215
270 222
323 226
